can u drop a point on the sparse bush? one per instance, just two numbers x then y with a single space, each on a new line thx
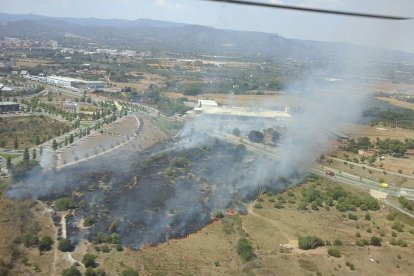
71 271
357 234
105 248
30 239
90 272
352 216
245 250
391 216
359 242
278 205
258 206
89 260
401 243
338 242
335 252
394 234
119 248
367 216
398 226
309 242
369 230
393 241
129 272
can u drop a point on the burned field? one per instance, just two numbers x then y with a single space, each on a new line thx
149 197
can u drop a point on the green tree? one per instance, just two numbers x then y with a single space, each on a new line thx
34 155
256 136
70 138
37 140
245 249
309 242
45 244
65 245
9 163
26 156
16 143
54 144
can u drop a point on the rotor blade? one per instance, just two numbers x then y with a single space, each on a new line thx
305 9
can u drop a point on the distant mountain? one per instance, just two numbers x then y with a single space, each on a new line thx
182 38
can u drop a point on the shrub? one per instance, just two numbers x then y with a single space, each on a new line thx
89 260
30 240
45 244
88 222
65 245
357 234
258 206
90 272
402 243
333 251
119 247
64 203
71 271
352 216
129 272
359 242
391 216
279 206
245 250
376 241
398 226
338 242
309 242
367 216
105 248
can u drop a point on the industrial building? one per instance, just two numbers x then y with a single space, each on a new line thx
9 107
211 108
74 83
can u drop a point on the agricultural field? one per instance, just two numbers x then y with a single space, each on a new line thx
27 129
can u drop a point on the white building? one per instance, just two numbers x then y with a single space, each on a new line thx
75 83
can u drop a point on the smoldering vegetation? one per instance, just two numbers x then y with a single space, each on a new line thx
174 188
159 194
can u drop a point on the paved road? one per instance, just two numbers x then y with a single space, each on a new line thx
371 168
342 177
398 208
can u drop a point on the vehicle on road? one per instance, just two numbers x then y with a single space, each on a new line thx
330 173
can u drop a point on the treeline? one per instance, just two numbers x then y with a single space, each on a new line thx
389 146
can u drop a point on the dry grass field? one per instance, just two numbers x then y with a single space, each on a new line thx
355 131
397 102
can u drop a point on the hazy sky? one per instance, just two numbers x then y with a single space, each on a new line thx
291 24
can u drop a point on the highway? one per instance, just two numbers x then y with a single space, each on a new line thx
342 177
